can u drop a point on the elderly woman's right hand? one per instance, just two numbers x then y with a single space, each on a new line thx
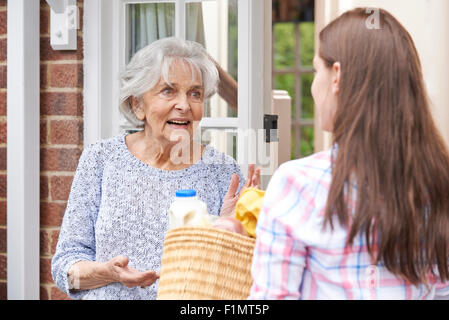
231 198
227 220
86 275
128 276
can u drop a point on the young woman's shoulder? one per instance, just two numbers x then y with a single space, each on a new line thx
314 167
309 177
298 190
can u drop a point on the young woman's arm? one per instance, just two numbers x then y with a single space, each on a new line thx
279 258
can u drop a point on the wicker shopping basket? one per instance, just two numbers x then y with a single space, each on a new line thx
205 263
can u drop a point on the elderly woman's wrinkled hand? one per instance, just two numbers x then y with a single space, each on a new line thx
231 198
128 276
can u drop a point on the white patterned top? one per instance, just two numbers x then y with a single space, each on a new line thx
119 205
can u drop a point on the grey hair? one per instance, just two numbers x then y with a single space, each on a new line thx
153 62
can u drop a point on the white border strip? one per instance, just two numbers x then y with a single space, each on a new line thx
92 73
23 150
251 84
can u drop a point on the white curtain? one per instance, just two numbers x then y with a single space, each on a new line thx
153 21
150 22
194 23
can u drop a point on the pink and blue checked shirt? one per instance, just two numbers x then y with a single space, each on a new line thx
294 258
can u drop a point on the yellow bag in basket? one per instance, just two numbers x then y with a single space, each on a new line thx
248 208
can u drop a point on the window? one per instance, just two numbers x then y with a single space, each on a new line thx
293 51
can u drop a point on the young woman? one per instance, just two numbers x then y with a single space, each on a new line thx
368 219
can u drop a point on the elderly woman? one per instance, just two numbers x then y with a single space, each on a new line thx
112 234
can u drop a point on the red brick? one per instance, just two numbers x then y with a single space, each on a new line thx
3 77
65 75
3 207
59 159
2 103
57 294
2 267
54 240
3 291
45 20
43 132
2 185
3 158
66 131
3 24
60 187
44 242
51 214
47 53
2 49
3 245
43 76
44 293
45 271
3 131
61 104
44 188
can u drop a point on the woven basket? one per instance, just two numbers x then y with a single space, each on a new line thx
205 263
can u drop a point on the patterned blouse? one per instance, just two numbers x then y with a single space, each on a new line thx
119 205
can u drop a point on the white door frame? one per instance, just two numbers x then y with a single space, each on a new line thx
254 74
23 114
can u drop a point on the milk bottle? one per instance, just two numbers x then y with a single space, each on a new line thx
188 211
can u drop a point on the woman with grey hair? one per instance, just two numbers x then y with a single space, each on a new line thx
111 239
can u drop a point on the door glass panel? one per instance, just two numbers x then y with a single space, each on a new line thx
214 24
148 22
284 45
307 47
307 141
293 52
307 108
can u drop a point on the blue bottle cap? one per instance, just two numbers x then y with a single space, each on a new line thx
185 193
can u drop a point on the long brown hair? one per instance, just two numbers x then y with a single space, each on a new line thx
388 144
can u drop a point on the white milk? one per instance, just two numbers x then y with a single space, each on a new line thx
188 211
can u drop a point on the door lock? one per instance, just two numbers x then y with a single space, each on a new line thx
270 125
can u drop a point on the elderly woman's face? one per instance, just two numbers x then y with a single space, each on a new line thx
169 108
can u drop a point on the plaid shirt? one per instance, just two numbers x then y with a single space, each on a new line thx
295 258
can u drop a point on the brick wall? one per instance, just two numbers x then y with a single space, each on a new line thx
61 141
3 30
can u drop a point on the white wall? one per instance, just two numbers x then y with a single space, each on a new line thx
428 23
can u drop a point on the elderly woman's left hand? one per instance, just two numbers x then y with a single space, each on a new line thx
231 198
